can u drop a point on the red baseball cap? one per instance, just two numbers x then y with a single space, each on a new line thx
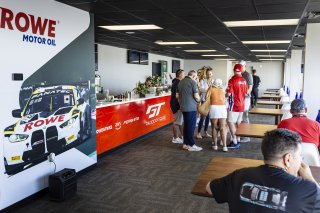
238 68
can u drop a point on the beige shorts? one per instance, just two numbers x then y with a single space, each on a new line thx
178 118
234 117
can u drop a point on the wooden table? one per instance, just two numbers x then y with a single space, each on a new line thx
221 166
276 103
271 93
273 90
254 130
275 97
266 111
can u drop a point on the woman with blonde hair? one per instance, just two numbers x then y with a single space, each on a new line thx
204 84
217 113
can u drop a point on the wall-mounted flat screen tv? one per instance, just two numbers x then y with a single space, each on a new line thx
133 57
144 58
175 65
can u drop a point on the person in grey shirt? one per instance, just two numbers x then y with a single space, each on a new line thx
246 75
188 97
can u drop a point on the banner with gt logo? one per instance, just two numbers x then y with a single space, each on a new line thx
123 122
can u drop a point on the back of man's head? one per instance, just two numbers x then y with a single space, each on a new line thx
192 73
179 72
277 143
238 68
298 106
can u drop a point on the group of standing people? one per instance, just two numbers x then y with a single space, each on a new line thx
188 92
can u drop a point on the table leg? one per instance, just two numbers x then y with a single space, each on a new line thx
277 119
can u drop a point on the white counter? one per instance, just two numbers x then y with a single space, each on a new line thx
100 104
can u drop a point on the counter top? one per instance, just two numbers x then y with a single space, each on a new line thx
100 104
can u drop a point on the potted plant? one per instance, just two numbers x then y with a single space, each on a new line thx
141 89
155 80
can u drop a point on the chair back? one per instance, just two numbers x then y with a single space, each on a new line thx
310 154
286 106
284 99
286 115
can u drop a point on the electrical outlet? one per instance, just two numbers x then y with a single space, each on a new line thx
51 157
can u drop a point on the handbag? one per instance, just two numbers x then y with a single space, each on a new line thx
204 108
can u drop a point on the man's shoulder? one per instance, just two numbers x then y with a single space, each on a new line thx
312 121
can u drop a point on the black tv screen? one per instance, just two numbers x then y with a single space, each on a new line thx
175 65
144 58
133 57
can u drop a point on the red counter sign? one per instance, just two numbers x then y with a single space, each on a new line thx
118 124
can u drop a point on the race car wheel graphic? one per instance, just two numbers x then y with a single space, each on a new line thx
37 145
53 145
88 124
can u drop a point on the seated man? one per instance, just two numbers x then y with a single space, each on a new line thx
282 184
309 130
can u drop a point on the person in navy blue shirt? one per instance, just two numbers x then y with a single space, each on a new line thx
282 184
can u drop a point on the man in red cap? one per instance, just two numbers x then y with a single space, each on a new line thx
236 91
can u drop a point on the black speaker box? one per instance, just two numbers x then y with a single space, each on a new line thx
62 185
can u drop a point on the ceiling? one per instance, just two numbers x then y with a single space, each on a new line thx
200 21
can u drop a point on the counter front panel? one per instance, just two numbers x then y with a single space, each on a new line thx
121 123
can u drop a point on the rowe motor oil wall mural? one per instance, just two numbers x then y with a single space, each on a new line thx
48 105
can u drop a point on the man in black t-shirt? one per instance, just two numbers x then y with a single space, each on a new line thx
175 108
255 88
283 184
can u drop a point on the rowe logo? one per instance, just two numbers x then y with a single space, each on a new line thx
154 110
23 22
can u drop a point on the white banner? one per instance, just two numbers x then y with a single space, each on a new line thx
31 33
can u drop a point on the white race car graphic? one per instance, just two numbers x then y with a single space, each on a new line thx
54 119
264 196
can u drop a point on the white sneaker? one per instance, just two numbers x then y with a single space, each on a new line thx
194 148
215 147
244 140
185 146
225 149
198 136
177 140
207 135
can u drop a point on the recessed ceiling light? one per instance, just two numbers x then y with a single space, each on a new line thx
130 32
276 56
132 27
175 42
271 59
199 51
213 55
267 42
253 23
269 50
228 48
224 59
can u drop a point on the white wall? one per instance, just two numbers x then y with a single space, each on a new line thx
312 75
118 76
221 69
295 73
270 73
